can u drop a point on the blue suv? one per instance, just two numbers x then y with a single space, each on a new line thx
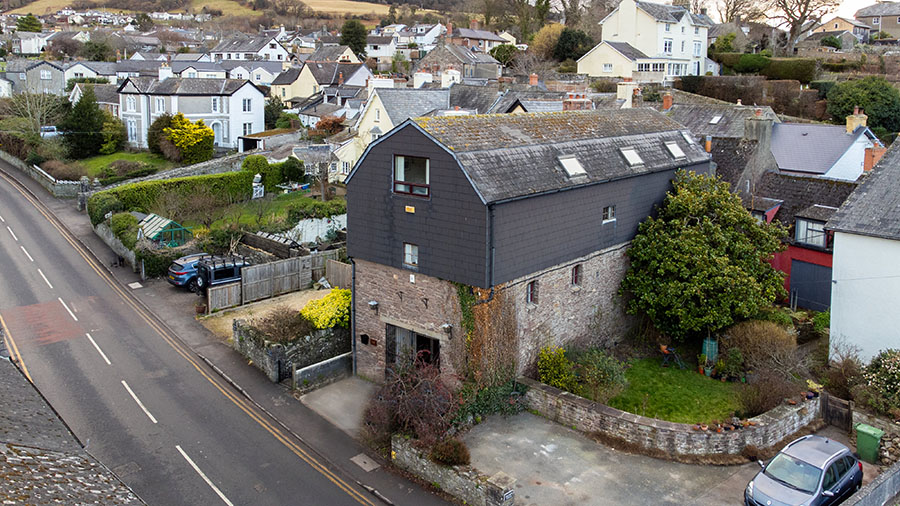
183 272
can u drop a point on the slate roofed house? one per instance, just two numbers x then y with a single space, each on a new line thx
242 47
259 72
865 281
107 96
462 59
814 41
381 48
473 37
882 17
333 54
478 98
388 107
310 79
531 212
859 29
35 77
93 69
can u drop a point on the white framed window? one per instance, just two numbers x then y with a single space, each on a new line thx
659 67
129 103
668 27
682 29
607 67
531 292
258 77
21 76
160 104
132 131
281 57
45 75
248 128
283 92
682 46
876 20
643 67
571 165
192 74
345 167
215 104
609 214
667 46
696 30
715 120
246 103
410 255
79 75
698 48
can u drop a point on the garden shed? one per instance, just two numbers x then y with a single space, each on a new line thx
163 230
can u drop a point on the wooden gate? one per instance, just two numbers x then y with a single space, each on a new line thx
837 412
257 282
286 276
223 296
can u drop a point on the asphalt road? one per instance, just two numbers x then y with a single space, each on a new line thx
139 399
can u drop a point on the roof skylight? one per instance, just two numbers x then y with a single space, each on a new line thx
571 165
631 156
675 149
687 137
715 120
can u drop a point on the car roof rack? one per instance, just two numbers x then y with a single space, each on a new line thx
215 261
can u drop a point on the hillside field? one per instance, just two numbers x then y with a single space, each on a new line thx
228 7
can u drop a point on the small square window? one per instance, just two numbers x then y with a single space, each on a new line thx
576 275
531 292
609 213
410 255
631 156
607 67
675 150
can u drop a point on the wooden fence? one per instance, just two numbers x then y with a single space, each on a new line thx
272 279
338 274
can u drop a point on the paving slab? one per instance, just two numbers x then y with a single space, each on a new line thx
342 403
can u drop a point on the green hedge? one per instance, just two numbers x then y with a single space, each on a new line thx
751 63
823 87
804 70
271 172
157 261
125 227
312 208
141 196
728 59
842 66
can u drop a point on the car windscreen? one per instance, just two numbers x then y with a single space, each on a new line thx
176 267
794 473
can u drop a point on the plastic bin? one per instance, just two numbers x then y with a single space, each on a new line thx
868 440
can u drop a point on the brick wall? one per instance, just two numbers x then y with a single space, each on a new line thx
673 438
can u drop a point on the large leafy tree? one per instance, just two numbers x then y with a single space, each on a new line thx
875 95
272 111
504 53
703 262
98 51
82 128
29 23
572 44
353 34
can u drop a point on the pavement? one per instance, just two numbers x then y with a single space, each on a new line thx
156 412
342 403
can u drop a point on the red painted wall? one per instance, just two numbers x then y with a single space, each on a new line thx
782 260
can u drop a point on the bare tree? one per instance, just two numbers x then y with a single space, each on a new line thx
205 206
523 11
696 6
796 14
746 10
572 10
37 109
527 63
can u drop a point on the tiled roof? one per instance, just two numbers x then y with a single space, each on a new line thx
188 56
271 67
505 102
673 13
801 192
874 208
104 68
732 156
879 9
180 66
541 105
466 55
327 53
178 86
516 155
377 39
403 103
105 93
479 98
698 117
817 212
810 148
626 49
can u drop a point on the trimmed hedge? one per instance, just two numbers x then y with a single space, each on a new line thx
312 208
751 63
823 87
125 227
728 59
156 261
141 196
842 66
804 70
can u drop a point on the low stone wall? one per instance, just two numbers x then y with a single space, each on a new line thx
672 438
57 188
463 482
106 234
322 373
881 490
278 361
889 452
230 163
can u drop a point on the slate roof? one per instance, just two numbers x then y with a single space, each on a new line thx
506 102
180 66
817 212
23 65
329 72
821 35
516 155
327 53
874 208
810 148
378 39
41 462
626 49
272 67
673 13
732 156
541 105
697 117
103 68
105 93
468 33
188 56
179 86
243 44
801 192
478 98
879 9
403 103
140 66
466 55
287 77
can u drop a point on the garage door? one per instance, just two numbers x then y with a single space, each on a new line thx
811 285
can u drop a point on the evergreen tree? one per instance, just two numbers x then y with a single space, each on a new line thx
156 132
29 23
572 44
353 34
272 111
82 128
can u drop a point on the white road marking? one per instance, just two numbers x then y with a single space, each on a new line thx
138 401
26 253
45 279
2 220
67 309
100 351
207 480
12 233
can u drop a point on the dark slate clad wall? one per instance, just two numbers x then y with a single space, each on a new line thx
449 227
540 232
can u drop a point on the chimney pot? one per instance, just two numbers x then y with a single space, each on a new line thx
456 108
668 101
758 112
739 102
533 80
708 143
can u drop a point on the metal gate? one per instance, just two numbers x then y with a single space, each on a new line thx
811 285
837 412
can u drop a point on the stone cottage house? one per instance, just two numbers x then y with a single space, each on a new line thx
537 209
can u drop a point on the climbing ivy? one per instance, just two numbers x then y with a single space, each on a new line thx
467 301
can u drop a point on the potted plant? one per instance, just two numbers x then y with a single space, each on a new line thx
720 369
701 362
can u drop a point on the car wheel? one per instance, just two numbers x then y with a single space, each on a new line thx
193 285
200 285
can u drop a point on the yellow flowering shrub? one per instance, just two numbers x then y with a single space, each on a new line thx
333 310
194 140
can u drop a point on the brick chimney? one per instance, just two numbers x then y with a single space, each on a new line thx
340 78
449 29
668 101
873 156
856 120
533 80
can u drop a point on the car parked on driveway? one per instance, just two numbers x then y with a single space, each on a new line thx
214 271
48 132
183 272
811 471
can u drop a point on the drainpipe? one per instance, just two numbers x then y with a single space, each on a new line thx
490 259
353 312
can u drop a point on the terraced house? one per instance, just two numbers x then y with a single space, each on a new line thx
533 209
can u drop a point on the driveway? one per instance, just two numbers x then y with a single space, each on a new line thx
556 465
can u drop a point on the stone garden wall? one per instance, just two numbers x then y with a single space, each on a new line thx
57 188
883 488
230 163
889 453
463 482
672 438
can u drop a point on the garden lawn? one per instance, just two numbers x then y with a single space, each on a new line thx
275 209
96 164
676 395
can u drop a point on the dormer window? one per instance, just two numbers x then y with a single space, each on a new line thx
631 156
411 176
675 150
811 233
572 166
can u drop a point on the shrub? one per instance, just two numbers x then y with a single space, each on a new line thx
333 310
312 208
479 402
733 363
219 241
451 452
604 86
767 391
775 315
823 87
125 227
751 63
114 134
193 139
568 66
764 345
101 203
843 373
556 370
156 261
284 120
804 70
821 321
292 170
831 41
601 376
64 171
729 60
882 379
282 325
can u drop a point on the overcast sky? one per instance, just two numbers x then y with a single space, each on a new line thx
849 7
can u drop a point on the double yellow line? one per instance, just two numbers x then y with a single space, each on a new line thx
13 348
241 402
